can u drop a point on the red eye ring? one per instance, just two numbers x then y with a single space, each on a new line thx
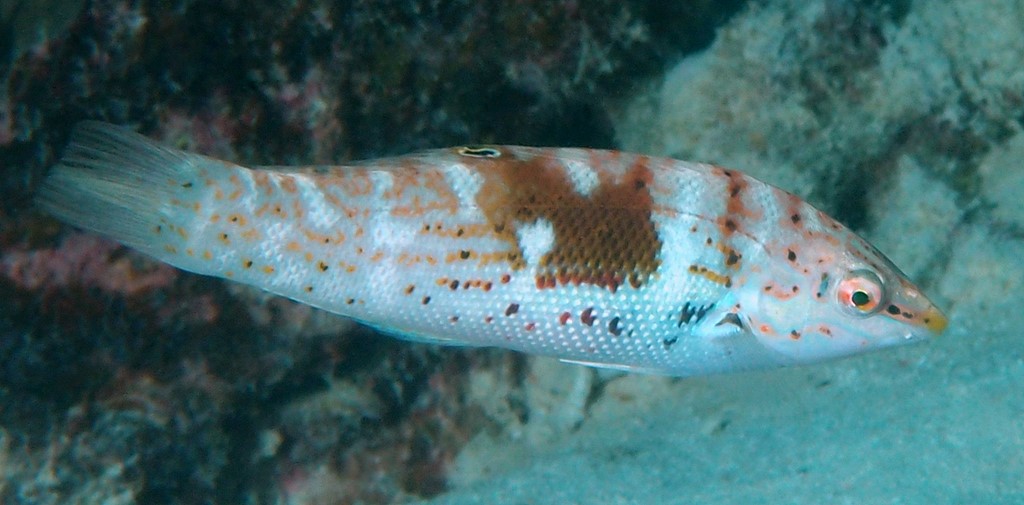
861 292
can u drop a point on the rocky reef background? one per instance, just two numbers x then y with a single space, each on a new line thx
126 381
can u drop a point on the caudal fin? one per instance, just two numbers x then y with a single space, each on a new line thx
116 182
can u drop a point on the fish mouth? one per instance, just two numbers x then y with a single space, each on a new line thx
912 308
931 320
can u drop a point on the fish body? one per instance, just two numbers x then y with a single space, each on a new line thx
597 257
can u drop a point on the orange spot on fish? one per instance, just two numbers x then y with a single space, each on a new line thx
488 258
405 260
711 275
261 180
469 230
356 183
460 255
780 293
322 238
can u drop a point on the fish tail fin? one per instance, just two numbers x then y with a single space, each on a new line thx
118 183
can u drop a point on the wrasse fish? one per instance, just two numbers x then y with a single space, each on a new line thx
596 257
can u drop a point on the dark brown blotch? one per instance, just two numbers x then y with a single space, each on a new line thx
613 326
605 239
587 317
732 258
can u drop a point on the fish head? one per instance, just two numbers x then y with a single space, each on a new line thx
827 293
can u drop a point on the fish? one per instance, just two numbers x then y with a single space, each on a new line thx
597 257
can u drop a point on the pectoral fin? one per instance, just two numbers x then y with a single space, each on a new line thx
725 320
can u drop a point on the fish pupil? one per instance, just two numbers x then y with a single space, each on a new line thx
860 298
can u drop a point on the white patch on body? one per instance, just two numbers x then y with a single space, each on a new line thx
380 223
320 214
584 179
251 197
386 237
536 239
276 178
464 182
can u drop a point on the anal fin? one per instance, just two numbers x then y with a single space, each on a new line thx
614 366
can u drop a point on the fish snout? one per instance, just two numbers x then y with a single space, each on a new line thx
913 308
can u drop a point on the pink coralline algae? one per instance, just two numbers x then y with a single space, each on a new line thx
87 261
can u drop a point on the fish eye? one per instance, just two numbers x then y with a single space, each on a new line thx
861 292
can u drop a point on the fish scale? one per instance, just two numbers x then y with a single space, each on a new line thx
597 257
